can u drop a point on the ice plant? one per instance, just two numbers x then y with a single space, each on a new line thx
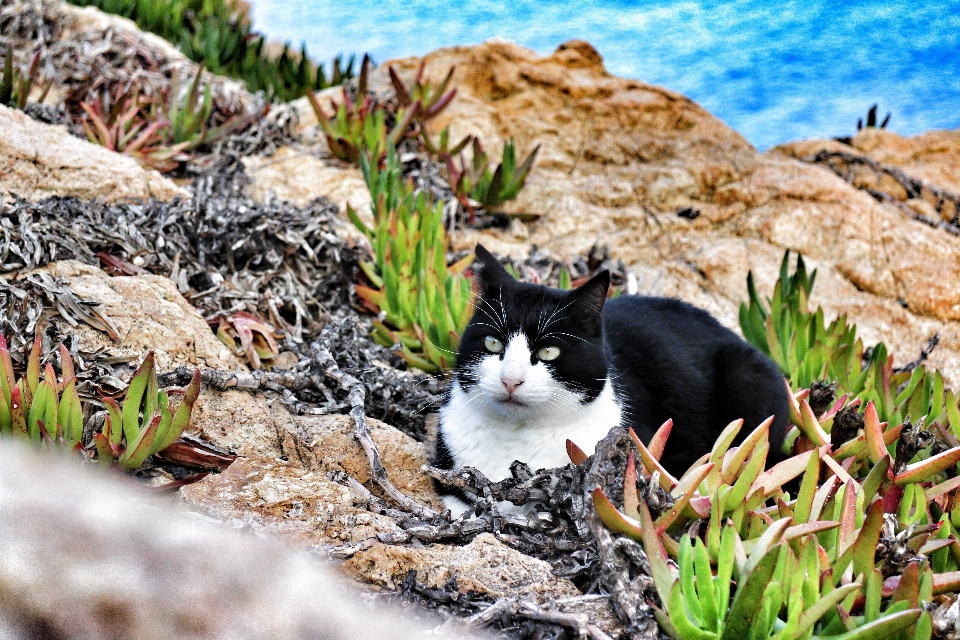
46 411
144 424
849 537
359 126
247 336
43 410
15 85
217 34
424 302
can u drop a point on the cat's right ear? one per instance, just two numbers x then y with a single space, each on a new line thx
492 275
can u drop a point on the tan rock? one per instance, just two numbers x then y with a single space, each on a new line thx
933 156
280 484
242 422
76 21
248 426
619 157
326 443
97 559
39 160
299 176
149 314
285 499
484 566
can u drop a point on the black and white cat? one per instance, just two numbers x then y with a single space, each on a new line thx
537 366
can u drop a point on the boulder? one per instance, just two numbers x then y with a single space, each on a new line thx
485 566
621 158
300 176
90 557
933 157
302 507
149 314
39 160
280 483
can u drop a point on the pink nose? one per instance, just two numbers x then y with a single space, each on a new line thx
511 383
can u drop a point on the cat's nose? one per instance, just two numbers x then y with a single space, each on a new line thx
511 383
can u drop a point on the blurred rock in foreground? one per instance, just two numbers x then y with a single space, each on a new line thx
83 556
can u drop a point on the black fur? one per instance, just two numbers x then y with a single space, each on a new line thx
667 359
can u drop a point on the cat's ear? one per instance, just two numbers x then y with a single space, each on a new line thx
589 297
492 275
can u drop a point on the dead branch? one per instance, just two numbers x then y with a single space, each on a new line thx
840 162
356 393
624 570
578 622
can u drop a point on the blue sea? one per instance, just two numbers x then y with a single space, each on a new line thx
774 71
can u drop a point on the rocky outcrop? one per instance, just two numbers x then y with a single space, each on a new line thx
89 557
300 176
39 160
149 315
485 566
621 158
280 483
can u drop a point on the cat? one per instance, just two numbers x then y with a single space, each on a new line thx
537 366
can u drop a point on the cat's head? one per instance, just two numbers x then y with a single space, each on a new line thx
530 351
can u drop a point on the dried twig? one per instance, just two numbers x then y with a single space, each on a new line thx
841 163
578 622
356 394
624 570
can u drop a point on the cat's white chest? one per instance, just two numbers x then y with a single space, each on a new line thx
479 434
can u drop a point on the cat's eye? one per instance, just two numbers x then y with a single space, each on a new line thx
548 353
492 344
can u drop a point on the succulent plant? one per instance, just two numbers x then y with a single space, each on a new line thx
872 120
158 131
425 100
131 126
15 85
214 33
189 120
491 189
42 411
358 125
808 350
47 411
145 423
867 540
424 302
247 336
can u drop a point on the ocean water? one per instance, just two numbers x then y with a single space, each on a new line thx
774 71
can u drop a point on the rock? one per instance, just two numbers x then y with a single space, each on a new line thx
620 157
933 156
77 21
280 484
300 177
326 443
149 313
38 160
303 507
248 426
93 558
485 566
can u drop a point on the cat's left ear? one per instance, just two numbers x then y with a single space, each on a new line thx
589 297
492 275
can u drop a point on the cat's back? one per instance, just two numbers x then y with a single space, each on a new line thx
646 321
669 359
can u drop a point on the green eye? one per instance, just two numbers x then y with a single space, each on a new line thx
492 344
548 353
